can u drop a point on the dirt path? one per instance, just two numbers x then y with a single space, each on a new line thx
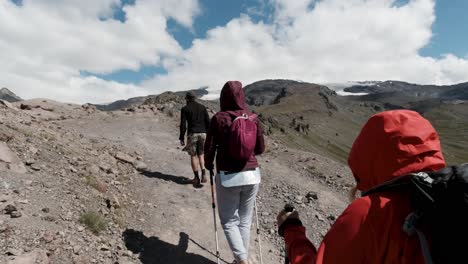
170 222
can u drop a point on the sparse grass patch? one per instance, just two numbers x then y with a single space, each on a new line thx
123 178
26 132
47 136
96 184
95 222
119 217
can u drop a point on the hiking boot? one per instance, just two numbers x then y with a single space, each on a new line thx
197 183
203 179
194 181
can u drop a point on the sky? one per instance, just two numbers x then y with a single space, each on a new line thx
100 51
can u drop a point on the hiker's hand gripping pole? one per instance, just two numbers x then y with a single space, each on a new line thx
213 204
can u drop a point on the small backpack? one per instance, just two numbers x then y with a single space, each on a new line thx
439 201
242 136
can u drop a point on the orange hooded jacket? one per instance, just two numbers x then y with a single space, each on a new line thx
391 144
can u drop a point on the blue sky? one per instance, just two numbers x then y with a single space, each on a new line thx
449 29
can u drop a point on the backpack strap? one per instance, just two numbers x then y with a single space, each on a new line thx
410 228
236 115
424 247
389 185
233 113
405 180
410 225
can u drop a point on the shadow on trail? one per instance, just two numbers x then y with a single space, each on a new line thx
152 250
166 177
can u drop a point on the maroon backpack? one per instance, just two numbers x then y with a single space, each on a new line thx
242 136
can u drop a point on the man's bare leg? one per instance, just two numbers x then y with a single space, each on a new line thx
194 161
201 159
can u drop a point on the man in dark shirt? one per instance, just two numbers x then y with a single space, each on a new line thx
196 116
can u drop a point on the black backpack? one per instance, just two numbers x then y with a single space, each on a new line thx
439 201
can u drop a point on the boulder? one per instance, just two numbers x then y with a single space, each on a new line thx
9 160
37 256
6 104
125 157
140 166
25 107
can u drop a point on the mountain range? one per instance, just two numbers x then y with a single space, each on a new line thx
122 104
315 118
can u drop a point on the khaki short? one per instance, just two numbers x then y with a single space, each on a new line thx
195 144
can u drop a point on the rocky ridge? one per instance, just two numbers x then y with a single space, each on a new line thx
52 177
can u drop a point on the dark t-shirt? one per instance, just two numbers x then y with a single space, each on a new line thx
196 116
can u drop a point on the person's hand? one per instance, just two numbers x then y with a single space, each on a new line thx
209 167
182 143
283 215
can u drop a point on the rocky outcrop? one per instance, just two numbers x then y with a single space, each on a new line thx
9 161
136 101
37 256
6 104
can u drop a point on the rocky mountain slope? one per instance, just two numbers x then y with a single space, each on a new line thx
79 185
314 118
8 95
122 104
309 117
445 106
136 101
54 182
407 92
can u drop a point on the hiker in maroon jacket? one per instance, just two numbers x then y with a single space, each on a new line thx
235 200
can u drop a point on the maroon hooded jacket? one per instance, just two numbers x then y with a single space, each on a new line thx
232 99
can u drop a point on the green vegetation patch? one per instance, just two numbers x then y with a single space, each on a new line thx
95 222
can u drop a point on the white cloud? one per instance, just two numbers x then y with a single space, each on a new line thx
45 44
318 41
334 41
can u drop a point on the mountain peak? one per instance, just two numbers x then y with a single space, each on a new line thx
7 95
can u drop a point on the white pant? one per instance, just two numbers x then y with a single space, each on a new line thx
235 208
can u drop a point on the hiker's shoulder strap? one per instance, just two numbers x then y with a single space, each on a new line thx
410 226
389 185
233 113
245 115
405 180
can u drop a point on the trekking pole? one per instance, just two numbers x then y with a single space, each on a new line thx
258 234
213 204
287 208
